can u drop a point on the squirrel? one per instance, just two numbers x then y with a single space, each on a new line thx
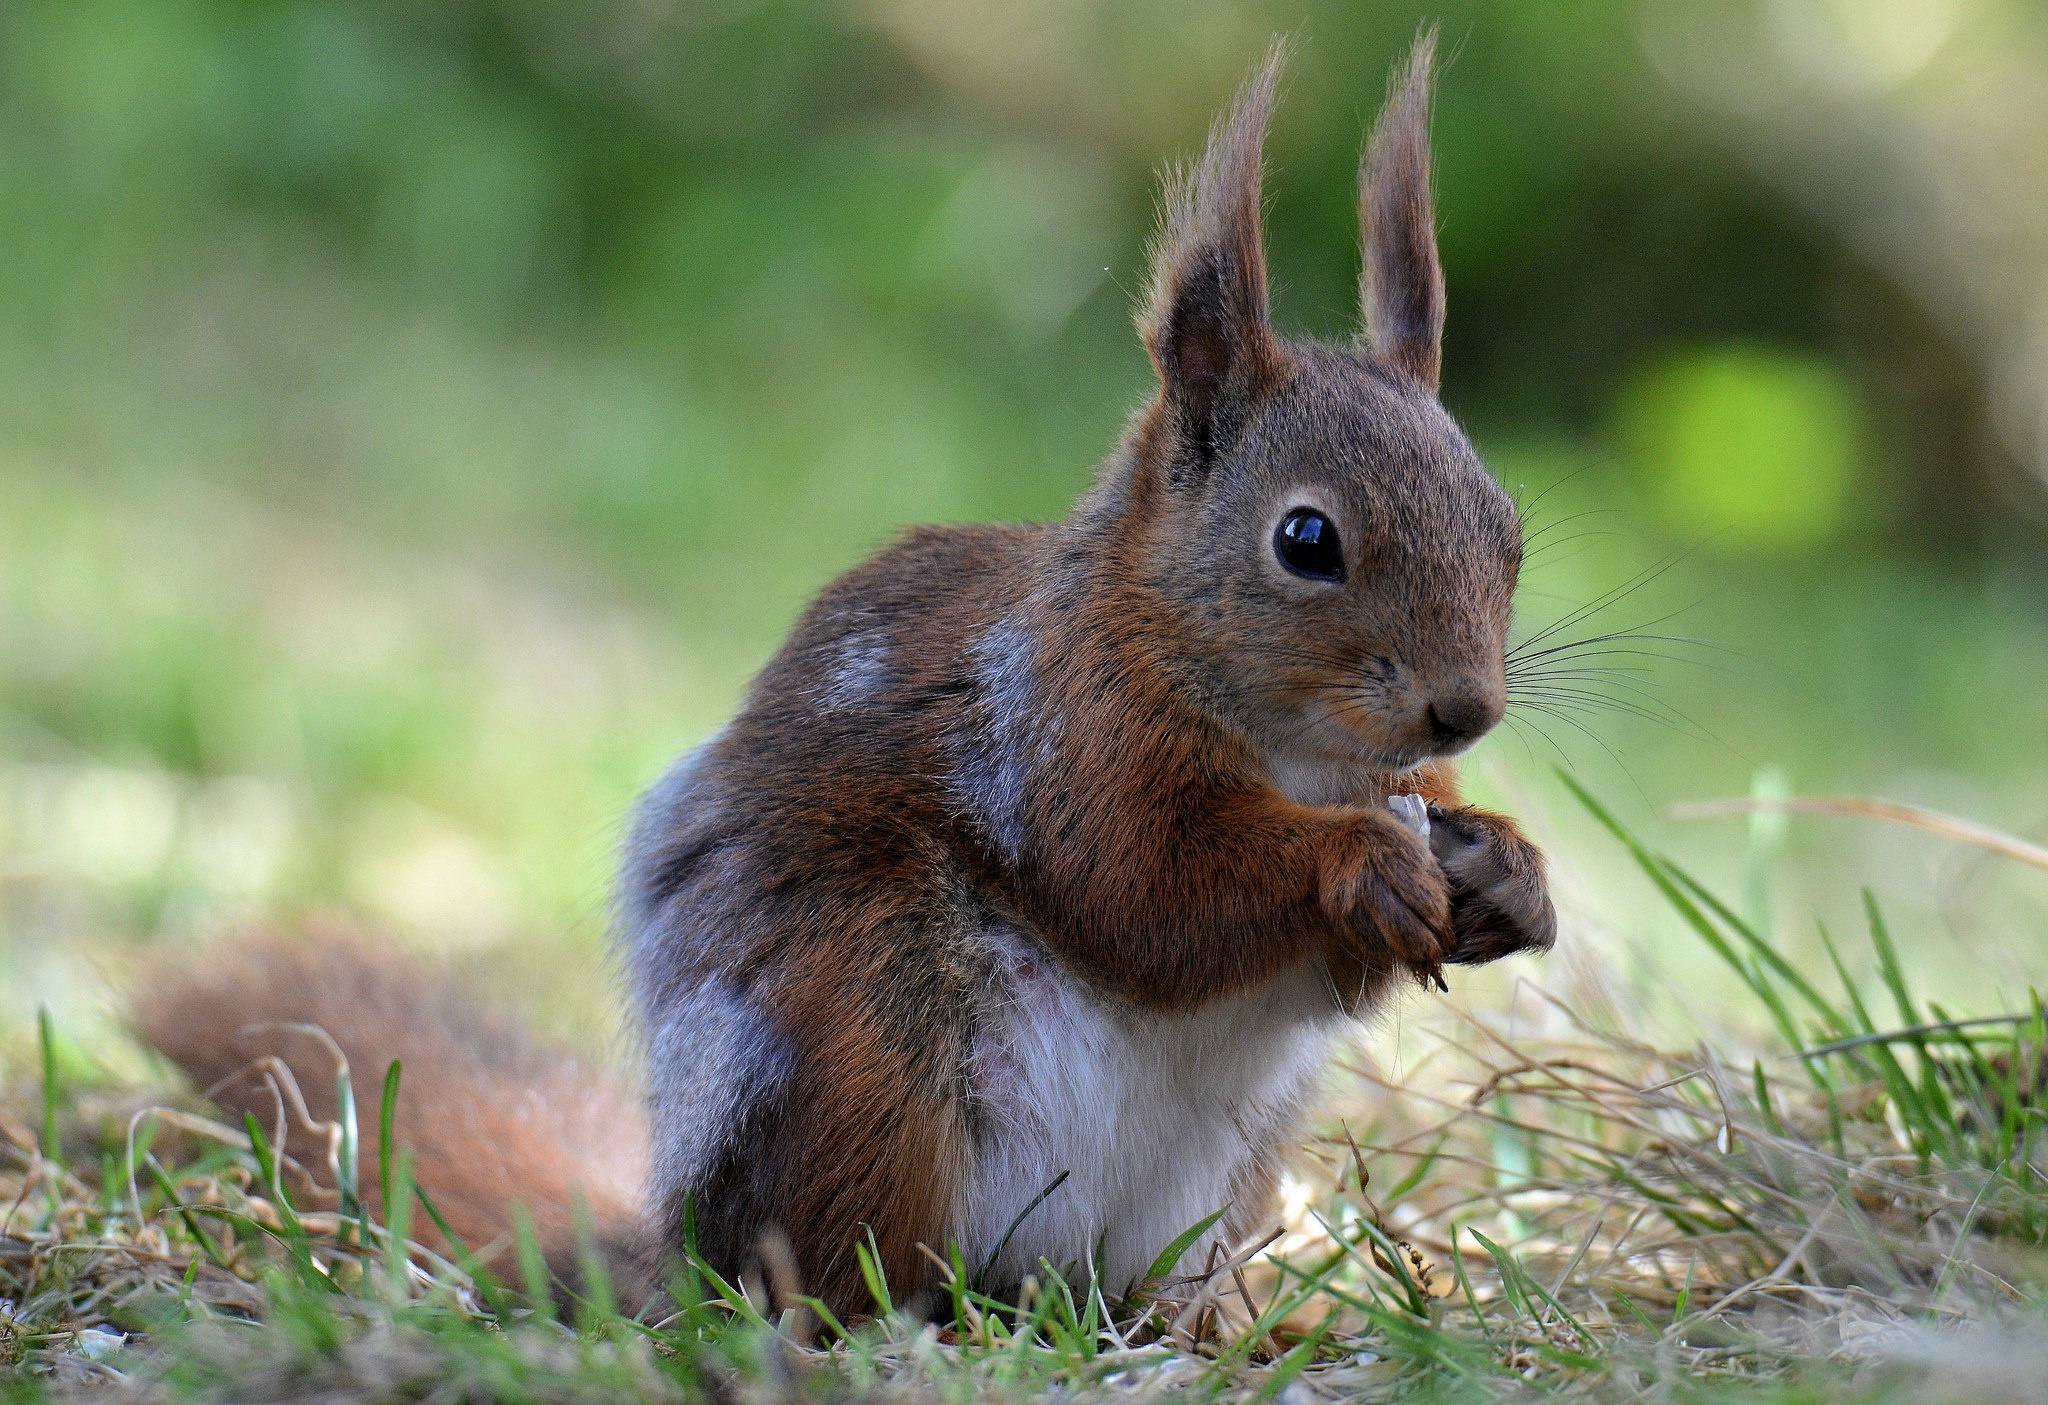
1058 855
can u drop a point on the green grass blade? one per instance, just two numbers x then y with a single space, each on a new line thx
600 1302
1855 997
1417 1172
1629 1305
533 1264
1391 1252
996 1254
487 1287
1532 1290
1940 1125
956 1286
1066 1324
833 1326
53 1093
869 1256
398 1220
1511 1273
1283 1306
162 1178
387 1118
1182 1242
256 1230
1297 1360
294 1233
1764 951
1888 960
1465 1283
1764 1111
1654 868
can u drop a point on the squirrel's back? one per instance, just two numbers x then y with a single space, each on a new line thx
797 927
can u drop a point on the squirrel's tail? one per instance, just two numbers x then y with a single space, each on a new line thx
491 1118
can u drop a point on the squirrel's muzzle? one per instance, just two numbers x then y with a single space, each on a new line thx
1459 717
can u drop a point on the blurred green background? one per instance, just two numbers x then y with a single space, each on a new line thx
418 418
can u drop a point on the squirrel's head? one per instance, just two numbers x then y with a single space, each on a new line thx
1347 562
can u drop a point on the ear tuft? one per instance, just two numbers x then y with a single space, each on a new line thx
1206 322
1404 283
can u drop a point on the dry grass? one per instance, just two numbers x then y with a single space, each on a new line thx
1859 1213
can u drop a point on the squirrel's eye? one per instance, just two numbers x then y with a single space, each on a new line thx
1306 543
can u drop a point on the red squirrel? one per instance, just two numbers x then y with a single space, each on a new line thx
1066 850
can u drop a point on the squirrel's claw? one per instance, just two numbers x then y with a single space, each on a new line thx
1500 903
1393 896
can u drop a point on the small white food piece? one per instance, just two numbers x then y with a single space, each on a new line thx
95 1345
1413 811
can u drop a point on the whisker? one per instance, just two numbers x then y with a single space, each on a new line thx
1540 558
1635 687
1588 685
1641 671
1523 509
1590 704
1649 708
1517 724
1535 545
1530 539
1598 741
1609 599
1640 650
1642 633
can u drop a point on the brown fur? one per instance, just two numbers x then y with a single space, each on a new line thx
490 1118
1132 746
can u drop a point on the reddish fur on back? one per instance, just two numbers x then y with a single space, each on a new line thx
491 1118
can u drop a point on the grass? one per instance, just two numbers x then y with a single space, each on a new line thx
1549 1205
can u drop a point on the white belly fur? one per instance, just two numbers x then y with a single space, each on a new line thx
1156 1118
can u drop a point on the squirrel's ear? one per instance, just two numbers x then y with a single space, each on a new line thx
1404 284
1206 321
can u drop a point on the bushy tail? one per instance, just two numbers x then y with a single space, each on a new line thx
492 1119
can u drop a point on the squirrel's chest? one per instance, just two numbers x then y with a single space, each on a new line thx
1156 1121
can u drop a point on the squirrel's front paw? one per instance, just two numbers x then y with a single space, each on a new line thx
1391 893
1500 903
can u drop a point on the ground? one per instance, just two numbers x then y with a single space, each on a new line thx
1541 1204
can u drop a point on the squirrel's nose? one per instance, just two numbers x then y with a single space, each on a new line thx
1460 718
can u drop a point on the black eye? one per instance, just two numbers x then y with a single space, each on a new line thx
1306 543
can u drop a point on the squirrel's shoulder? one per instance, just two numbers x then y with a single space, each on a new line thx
854 709
926 593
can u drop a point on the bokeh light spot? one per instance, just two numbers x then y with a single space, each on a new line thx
1746 446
